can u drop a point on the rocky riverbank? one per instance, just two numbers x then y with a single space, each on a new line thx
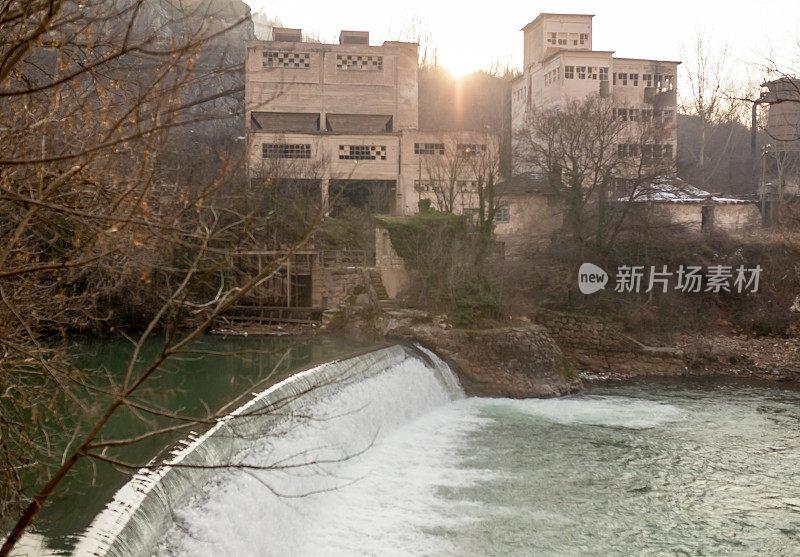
516 362
601 349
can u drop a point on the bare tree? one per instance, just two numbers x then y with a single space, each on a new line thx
712 99
120 187
598 159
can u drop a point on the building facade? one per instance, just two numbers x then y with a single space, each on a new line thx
560 66
346 114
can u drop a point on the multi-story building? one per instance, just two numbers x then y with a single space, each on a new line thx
346 115
560 66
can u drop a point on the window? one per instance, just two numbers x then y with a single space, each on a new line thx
634 77
503 214
562 39
581 72
289 60
648 79
359 62
552 76
551 38
633 114
603 74
622 77
362 152
573 38
470 148
584 38
425 185
667 119
647 114
620 114
286 150
429 148
569 72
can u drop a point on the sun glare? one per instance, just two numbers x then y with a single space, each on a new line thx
458 65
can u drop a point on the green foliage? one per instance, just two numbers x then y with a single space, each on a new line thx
474 300
426 240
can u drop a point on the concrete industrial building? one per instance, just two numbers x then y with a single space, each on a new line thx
559 65
347 113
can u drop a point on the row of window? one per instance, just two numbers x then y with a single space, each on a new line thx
662 82
302 60
438 148
586 72
552 76
286 150
362 152
429 148
432 185
291 60
303 151
564 39
643 115
648 150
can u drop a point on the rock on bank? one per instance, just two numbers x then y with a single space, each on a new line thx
515 362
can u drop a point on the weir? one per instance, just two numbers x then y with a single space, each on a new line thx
354 398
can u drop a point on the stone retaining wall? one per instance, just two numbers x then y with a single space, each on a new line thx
595 345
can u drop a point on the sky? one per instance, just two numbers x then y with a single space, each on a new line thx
473 35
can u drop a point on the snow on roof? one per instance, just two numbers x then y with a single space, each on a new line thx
674 190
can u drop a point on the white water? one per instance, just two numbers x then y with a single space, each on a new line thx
347 408
407 466
379 501
386 501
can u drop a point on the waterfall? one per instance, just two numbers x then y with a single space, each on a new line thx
289 442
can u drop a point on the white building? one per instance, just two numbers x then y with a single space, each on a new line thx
346 114
560 66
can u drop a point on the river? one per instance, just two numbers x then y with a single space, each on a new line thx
404 464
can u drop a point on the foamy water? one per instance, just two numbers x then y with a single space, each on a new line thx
399 463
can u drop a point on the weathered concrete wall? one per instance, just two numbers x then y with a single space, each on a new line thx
391 266
735 217
330 287
533 219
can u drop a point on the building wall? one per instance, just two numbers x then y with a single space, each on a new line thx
329 154
724 217
551 77
532 221
286 78
417 170
737 216
391 266
319 85
573 31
